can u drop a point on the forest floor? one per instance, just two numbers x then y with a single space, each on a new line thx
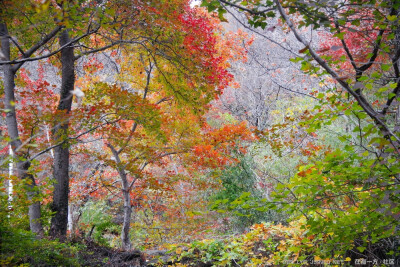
98 255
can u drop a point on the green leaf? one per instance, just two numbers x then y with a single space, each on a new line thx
362 115
386 67
221 12
369 86
271 14
296 59
376 75
355 22
361 249
391 36
383 89
340 35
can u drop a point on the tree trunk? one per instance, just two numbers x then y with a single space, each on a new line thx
12 128
32 192
396 64
73 218
126 226
59 222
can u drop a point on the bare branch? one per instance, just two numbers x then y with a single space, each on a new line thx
346 49
17 45
70 138
92 51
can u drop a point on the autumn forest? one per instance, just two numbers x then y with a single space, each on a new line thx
200 133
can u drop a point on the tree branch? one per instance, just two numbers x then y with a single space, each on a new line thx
346 49
92 51
34 48
395 90
385 130
70 138
21 61
253 12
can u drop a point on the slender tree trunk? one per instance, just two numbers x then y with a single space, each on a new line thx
34 208
9 184
125 238
12 128
73 218
396 64
126 226
59 222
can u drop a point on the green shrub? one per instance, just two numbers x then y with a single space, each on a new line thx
21 247
97 215
236 181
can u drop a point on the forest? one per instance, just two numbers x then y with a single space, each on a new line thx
200 133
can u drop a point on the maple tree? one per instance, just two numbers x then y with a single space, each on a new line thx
84 29
146 132
90 36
